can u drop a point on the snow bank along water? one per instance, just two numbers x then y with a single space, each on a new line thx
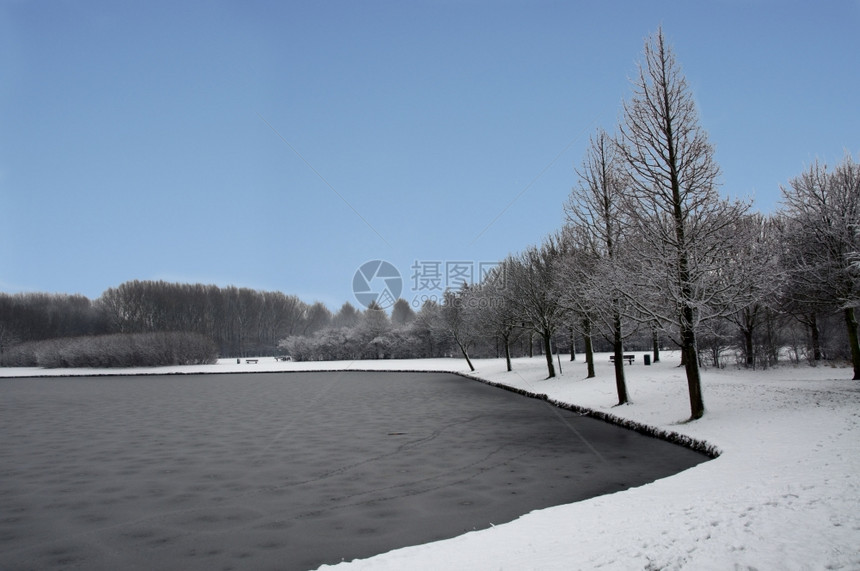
694 444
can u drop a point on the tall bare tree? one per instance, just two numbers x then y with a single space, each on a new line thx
596 207
684 224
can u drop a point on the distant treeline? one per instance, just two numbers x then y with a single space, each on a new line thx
372 334
436 330
239 321
116 350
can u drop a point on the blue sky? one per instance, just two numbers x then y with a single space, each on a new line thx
280 145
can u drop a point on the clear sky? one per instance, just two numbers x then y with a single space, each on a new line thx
281 145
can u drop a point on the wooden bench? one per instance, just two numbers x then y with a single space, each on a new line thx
251 360
628 358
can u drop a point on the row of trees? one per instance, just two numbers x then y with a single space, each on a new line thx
651 244
462 325
240 321
372 334
38 316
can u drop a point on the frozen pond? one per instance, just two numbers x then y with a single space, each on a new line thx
286 470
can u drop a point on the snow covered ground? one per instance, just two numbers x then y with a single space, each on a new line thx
783 494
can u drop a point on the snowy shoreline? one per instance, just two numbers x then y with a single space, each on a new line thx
667 435
783 493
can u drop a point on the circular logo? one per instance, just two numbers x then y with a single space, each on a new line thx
377 281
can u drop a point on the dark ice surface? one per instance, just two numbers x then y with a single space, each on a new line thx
286 470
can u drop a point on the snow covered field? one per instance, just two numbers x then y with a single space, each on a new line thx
784 493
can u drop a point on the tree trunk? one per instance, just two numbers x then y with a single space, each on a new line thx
589 358
618 347
531 345
748 348
655 346
572 345
589 348
691 366
816 337
466 355
772 352
548 350
507 353
851 324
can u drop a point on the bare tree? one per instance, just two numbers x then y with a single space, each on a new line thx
497 315
684 225
535 288
596 206
576 269
754 266
459 321
317 317
823 209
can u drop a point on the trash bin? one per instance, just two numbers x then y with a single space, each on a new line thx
647 358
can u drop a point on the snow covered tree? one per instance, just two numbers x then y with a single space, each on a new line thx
577 268
459 321
535 292
373 330
497 315
317 317
401 314
596 207
431 337
346 316
823 212
685 227
754 266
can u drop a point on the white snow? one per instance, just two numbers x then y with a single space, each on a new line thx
783 494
